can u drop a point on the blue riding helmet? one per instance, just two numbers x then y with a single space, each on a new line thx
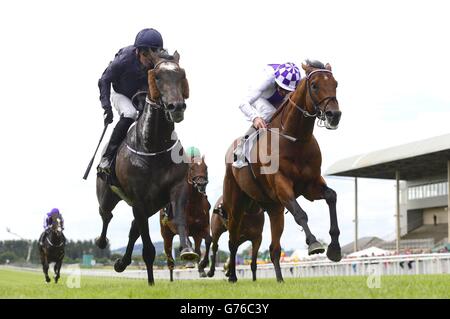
148 38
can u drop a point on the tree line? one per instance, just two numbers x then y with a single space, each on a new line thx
16 251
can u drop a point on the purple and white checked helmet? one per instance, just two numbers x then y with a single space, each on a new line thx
287 76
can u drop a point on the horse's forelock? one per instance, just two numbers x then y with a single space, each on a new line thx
315 64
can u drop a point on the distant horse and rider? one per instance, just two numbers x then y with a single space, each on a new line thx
299 167
52 243
150 168
251 230
197 215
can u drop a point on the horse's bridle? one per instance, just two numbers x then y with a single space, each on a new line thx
159 104
316 105
192 180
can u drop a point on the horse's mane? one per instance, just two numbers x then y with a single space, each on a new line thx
164 54
315 64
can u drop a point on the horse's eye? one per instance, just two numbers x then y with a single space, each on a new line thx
314 86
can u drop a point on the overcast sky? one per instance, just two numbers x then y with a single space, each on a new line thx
389 57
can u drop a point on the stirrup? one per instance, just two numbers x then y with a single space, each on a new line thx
104 167
239 163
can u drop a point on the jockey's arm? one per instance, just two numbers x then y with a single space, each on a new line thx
111 74
254 92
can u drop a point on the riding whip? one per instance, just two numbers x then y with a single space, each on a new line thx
88 169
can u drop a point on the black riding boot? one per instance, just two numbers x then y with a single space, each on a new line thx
117 136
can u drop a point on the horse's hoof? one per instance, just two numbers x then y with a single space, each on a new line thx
120 266
101 242
48 280
227 273
315 248
210 274
189 254
232 279
334 253
202 274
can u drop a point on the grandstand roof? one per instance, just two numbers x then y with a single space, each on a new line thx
413 161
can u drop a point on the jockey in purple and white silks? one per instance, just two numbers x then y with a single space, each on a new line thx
51 216
264 97
48 222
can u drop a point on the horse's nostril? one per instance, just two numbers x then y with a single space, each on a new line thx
333 114
171 107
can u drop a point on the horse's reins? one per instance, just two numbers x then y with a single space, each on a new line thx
155 105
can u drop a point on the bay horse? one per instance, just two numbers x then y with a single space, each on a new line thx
197 215
299 167
251 229
51 249
150 164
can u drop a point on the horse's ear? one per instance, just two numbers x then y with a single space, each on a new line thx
328 66
307 68
203 158
176 56
185 88
153 89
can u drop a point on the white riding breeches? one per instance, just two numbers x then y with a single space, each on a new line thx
123 105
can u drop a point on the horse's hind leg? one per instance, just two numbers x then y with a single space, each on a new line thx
256 243
276 226
235 202
197 243
107 201
122 263
148 250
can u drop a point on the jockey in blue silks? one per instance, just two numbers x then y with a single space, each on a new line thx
123 78
264 97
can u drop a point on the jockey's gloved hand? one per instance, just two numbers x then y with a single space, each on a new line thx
108 115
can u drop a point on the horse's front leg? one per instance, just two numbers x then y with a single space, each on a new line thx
285 193
122 263
178 200
204 263
320 190
45 267
215 247
107 201
57 270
